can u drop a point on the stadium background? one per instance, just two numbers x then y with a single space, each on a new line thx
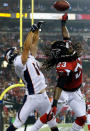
79 27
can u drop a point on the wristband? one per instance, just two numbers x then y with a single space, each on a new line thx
63 22
54 103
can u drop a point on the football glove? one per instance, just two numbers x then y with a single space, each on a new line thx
52 113
64 19
54 110
39 24
33 28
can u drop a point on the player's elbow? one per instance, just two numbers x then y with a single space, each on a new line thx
24 61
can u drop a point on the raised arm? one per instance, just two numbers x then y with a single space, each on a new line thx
65 32
28 44
34 45
31 42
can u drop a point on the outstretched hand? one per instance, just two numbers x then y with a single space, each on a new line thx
37 26
33 28
65 17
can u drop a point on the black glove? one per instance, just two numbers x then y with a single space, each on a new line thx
39 24
33 28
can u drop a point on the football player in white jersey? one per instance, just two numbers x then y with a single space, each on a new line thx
27 68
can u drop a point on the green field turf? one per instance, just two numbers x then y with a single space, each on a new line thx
62 127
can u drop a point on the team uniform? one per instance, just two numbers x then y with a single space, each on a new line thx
27 68
30 74
35 84
70 80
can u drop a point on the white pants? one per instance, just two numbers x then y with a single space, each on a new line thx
76 101
38 101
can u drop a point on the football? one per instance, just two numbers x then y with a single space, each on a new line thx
61 5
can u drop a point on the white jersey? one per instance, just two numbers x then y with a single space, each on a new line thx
31 75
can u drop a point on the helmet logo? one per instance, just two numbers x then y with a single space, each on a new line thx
11 54
67 45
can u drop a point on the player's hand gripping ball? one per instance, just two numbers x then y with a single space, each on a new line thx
61 5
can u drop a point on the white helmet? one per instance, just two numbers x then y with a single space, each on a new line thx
10 55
